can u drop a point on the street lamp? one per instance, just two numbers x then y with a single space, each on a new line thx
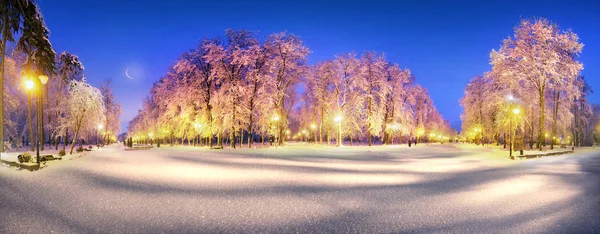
275 119
512 134
338 120
43 81
313 126
29 85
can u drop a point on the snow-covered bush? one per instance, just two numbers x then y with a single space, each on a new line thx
24 157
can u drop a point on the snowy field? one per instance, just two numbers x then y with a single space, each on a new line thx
306 189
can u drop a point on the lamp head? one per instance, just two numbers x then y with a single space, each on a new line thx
338 118
29 84
43 79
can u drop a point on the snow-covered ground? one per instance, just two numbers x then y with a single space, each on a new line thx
307 189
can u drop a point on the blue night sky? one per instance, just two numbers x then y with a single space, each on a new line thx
443 43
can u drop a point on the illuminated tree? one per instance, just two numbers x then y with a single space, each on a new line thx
112 112
86 109
287 60
543 56
22 17
397 113
318 81
233 62
69 68
372 81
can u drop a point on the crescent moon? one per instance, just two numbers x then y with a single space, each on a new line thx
127 73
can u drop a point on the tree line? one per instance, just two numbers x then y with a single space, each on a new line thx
239 89
534 89
65 108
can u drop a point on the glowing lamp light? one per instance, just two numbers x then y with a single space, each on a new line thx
100 126
276 118
43 79
197 125
510 97
287 132
420 131
516 111
313 126
338 118
29 84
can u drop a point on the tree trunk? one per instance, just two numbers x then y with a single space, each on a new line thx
554 117
76 134
541 118
65 138
232 138
321 126
41 114
241 137
29 119
2 54
369 122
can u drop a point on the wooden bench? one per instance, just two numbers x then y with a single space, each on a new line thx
544 154
140 147
48 157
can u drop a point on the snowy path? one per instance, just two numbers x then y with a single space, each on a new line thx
302 189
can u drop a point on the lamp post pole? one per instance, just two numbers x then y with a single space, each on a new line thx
510 148
40 116
338 120
29 85
39 128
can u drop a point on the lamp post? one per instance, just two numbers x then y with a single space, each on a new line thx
29 85
40 127
338 120
512 134
314 127
43 81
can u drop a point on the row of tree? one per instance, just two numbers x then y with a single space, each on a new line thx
371 97
65 106
535 89
237 86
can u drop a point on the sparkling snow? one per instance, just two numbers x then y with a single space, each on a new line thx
304 188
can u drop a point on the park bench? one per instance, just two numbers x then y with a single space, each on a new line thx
140 147
539 155
49 157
